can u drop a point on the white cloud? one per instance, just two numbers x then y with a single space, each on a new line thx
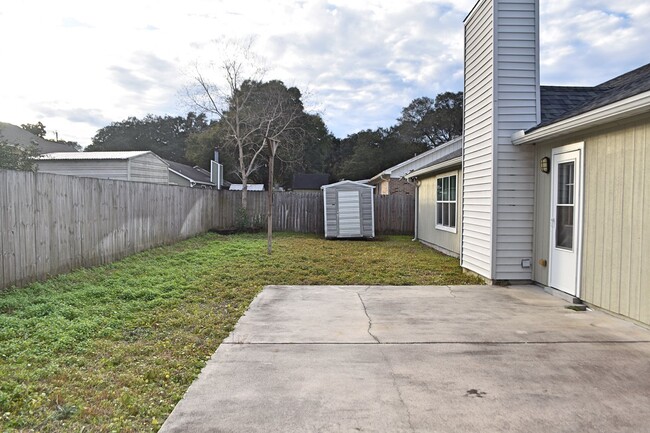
77 66
586 43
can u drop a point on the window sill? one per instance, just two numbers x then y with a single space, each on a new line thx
446 229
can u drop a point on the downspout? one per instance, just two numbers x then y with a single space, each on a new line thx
416 182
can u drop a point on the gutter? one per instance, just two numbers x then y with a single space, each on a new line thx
620 110
434 168
381 176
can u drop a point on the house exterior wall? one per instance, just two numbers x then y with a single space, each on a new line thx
148 168
442 240
516 108
116 169
501 97
477 144
616 230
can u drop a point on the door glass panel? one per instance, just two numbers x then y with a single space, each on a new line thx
564 209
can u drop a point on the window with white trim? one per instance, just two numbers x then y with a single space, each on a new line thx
446 203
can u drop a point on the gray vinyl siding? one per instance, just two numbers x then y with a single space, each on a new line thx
142 168
116 169
615 263
442 240
501 97
517 108
331 209
477 145
175 179
148 168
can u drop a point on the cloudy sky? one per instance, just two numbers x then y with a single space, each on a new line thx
77 66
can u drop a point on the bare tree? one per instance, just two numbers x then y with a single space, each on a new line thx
219 89
256 118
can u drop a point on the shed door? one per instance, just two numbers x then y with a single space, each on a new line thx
349 214
566 215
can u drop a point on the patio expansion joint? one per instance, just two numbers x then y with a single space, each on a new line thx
365 310
431 343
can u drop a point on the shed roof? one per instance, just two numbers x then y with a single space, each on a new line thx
192 173
249 187
95 155
344 182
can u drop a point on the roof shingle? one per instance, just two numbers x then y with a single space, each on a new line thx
562 102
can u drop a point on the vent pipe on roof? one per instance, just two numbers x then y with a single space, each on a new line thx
216 155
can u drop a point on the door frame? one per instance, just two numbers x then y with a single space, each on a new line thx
579 206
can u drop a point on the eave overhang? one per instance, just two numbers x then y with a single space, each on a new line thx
615 112
428 171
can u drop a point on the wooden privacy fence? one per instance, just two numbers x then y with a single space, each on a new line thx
50 224
53 224
303 211
394 214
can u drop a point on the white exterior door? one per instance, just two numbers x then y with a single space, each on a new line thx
349 214
566 219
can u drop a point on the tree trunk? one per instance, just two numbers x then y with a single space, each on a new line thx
244 194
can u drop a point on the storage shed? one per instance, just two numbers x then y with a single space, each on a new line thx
137 166
349 210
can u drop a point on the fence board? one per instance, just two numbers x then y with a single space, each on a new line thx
3 224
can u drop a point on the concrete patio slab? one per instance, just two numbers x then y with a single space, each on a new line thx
421 359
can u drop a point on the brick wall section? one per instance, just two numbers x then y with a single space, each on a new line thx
397 186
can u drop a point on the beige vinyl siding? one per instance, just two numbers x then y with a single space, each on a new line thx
116 169
445 241
517 108
616 221
148 168
477 145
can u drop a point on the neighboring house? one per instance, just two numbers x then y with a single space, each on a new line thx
137 166
553 186
393 181
249 187
196 177
309 182
17 136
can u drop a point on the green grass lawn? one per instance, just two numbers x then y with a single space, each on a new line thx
114 348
